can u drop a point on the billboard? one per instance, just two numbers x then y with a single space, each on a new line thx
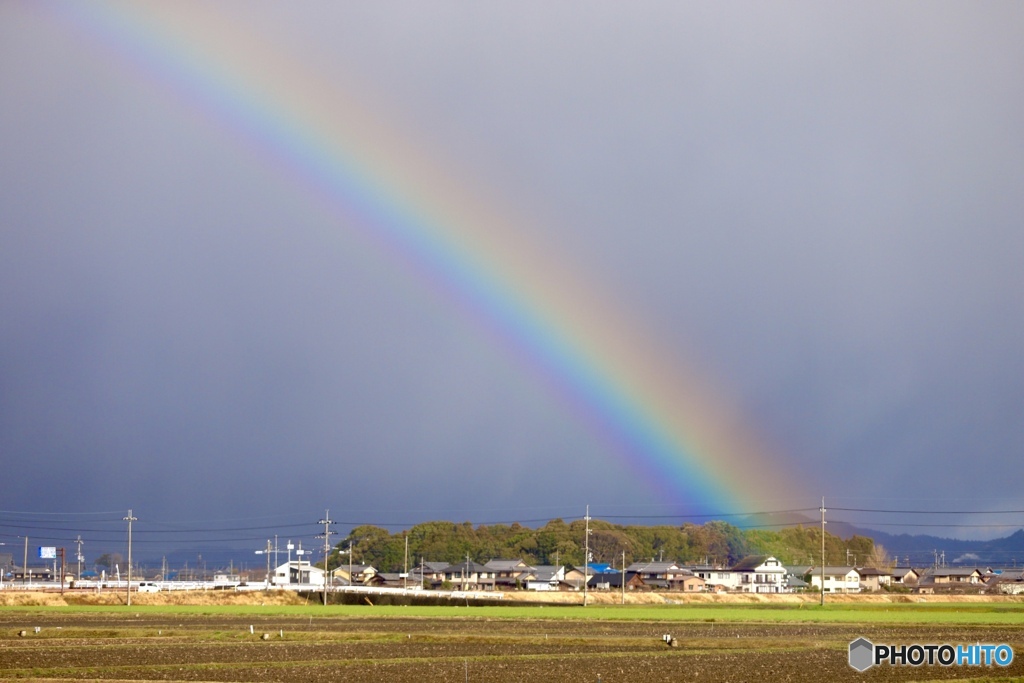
47 553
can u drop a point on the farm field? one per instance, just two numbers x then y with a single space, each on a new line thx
311 643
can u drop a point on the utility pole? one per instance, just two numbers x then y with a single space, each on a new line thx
291 547
623 578
62 563
130 519
326 521
586 554
24 567
78 555
822 573
405 576
267 553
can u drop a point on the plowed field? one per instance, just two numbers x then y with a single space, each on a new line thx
134 647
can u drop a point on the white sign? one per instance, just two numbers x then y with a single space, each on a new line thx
47 553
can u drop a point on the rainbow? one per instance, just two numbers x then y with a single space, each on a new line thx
666 422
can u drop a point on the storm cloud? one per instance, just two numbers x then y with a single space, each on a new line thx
818 206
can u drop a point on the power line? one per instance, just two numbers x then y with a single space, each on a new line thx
938 526
712 516
935 512
158 531
53 514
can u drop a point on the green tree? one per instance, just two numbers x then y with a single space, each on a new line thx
109 560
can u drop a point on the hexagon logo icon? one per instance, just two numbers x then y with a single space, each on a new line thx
862 654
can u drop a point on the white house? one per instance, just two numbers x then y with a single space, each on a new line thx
837 579
298 571
543 578
760 574
716 578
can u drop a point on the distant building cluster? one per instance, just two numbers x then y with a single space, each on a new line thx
753 574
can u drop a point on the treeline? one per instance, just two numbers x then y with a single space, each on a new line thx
558 542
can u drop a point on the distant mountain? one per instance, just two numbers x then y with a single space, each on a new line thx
922 550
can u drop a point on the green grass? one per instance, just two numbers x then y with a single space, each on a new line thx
908 613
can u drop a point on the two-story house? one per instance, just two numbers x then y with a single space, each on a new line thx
760 574
837 579
666 576
507 573
469 576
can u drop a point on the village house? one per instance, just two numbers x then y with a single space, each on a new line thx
666 576
1006 582
837 579
689 583
544 578
429 574
576 576
432 572
33 574
361 574
872 579
904 576
950 580
716 579
794 580
612 581
507 573
397 580
760 574
960 575
469 576
297 572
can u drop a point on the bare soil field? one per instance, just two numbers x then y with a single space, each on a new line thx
126 645
280 597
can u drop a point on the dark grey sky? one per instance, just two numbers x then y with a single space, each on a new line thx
817 206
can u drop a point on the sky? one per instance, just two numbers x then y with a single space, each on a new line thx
497 262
